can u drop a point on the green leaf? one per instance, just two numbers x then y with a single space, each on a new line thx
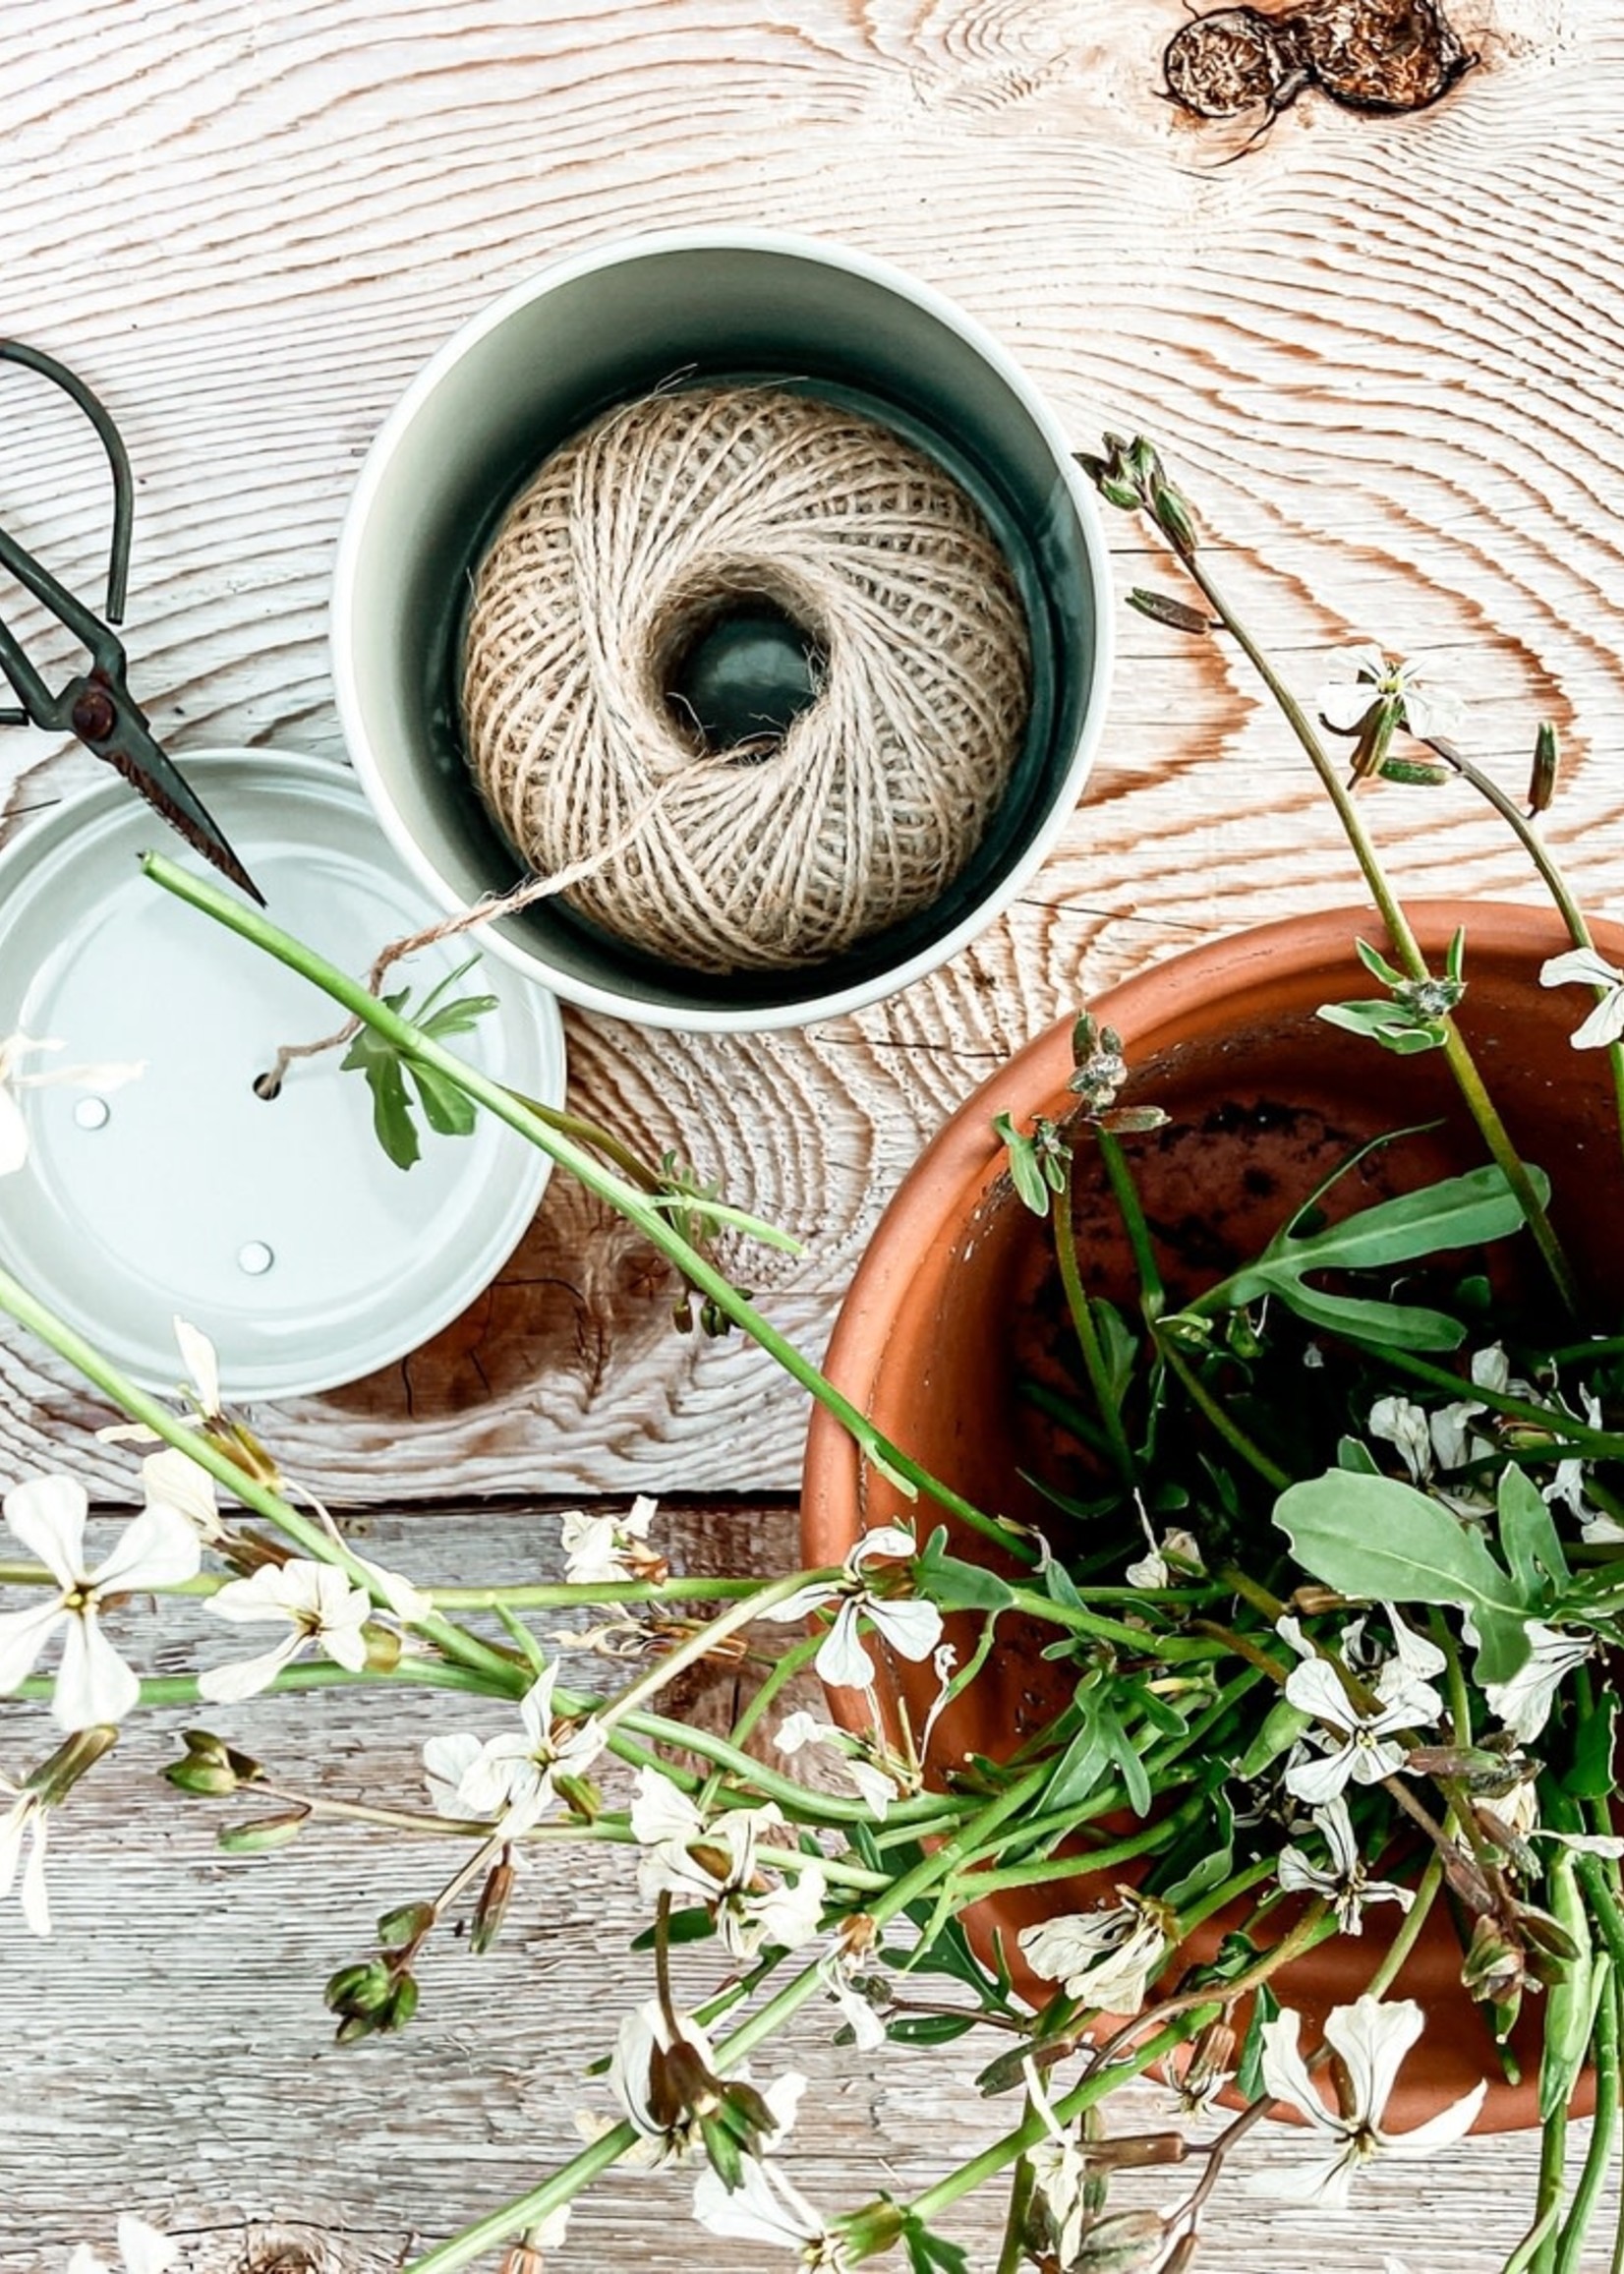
953 1585
1530 1539
930 2028
1384 1022
392 1123
458 1017
1400 1325
1377 965
1025 1170
1377 1539
1455 1212
448 1110
1355 1454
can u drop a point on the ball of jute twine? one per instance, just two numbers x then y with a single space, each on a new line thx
653 524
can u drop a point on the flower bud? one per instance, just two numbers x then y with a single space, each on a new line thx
1175 520
360 1990
1177 615
409 1924
1127 2243
207 1780
264 1834
1494 1970
581 1795
400 2005
1547 761
491 1907
383 1648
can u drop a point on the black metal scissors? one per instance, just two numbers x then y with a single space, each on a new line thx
98 705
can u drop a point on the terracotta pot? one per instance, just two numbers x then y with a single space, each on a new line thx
1265 1098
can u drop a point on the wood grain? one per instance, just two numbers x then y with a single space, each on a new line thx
176 2059
1385 359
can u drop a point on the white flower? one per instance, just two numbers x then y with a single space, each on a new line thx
23 1823
912 1627
1523 1704
1061 2173
1369 2041
1107 1958
1347 1883
600 1550
14 1128
1364 675
800 1730
511 1780
1400 1421
142 2250
156 1549
713 1859
318 1605
1582 966
1357 1744
767 2207
1156 1570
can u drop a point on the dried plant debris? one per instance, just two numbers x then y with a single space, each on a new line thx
1368 55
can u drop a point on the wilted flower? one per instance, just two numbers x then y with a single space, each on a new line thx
606 1549
14 1130
1155 1569
1107 1956
665 2080
512 1778
142 2250
1584 967
1346 1883
1369 2041
156 1549
911 1625
317 1604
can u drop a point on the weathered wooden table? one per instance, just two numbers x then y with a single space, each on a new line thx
1384 356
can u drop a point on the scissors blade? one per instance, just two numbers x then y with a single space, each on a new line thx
112 726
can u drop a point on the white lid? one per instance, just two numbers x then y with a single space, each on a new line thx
282 1230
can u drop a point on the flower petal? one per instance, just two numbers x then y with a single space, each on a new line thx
47 1514
1286 2074
1370 2039
803 1603
93 1684
201 1365
36 1907
159 1548
143 2249
229 1684
173 1479
24 1634
894 1541
842 1660
1438 2131
1604 1026
1580 966
1343 703
447 1760
1317 1778
911 1625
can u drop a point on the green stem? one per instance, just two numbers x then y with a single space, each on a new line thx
1012 2256
1129 1206
1405 947
409 1673
1094 2087
1225 1424
1087 1333
1551 873
1410 1928
1571 2242
566 1595
604 1182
